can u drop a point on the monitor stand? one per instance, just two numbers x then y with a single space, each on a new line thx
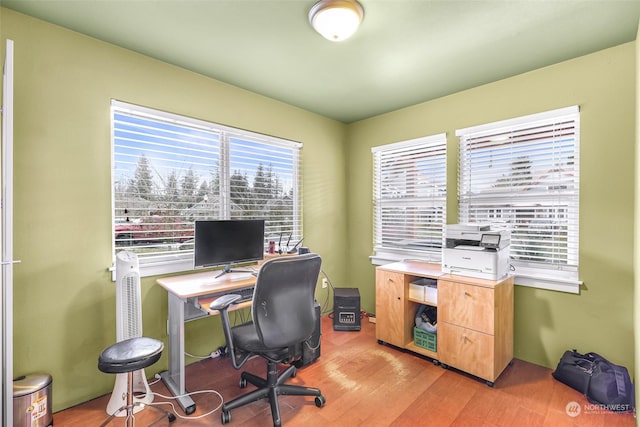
227 269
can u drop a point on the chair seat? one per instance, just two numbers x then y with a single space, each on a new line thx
246 338
130 355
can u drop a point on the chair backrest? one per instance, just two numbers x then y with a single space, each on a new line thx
283 299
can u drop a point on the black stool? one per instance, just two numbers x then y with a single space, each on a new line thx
129 356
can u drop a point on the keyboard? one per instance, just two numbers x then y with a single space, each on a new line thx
246 294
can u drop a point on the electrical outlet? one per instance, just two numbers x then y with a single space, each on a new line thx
325 282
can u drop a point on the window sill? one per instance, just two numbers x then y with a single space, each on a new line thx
157 268
386 257
551 284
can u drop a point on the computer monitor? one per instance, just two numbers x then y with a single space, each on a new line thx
228 242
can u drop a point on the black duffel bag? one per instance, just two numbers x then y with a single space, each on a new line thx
602 382
574 370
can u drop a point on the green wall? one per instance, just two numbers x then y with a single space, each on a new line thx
600 318
64 299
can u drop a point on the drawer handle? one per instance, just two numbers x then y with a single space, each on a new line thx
464 338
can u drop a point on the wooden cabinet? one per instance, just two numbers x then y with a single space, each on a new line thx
475 317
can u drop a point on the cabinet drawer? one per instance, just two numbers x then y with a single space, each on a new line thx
467 306
468 350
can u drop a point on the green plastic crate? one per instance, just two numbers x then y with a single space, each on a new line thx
425 339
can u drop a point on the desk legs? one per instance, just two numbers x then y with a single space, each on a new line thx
174 377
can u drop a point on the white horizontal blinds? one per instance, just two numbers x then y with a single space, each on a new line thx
169 171
265 184
410 197
525 173
165 176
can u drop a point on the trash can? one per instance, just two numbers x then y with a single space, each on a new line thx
32 401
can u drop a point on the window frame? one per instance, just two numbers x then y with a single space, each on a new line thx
386 253
547 274
179 262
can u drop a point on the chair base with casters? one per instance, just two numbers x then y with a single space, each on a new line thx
270 388
127 357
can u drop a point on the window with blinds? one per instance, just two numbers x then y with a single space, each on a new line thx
524 173
409 199
169 171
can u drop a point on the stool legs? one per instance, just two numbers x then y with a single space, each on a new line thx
130 420
141 392
128 407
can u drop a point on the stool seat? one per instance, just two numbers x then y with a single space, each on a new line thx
130 355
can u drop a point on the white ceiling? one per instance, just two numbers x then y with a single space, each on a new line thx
405 52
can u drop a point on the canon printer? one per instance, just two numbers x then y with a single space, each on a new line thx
476 250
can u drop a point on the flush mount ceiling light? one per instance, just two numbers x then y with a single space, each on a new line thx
336 20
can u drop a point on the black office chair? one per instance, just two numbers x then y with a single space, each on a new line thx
283 317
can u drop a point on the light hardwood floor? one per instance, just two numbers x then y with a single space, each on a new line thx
367 384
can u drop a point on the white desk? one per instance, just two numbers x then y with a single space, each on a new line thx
189 297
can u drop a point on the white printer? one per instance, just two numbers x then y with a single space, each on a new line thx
476 250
